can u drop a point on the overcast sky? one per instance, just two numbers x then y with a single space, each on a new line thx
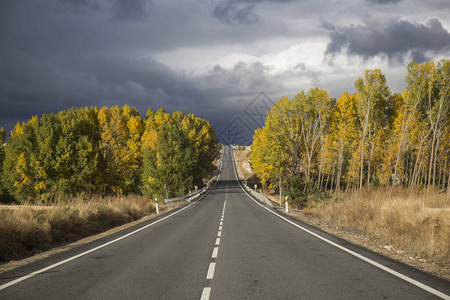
208 57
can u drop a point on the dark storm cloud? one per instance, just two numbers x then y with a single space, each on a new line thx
47 69
62 54
394 39
132 9
239 11
57 54
231 12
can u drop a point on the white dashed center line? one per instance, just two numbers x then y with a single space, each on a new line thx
205 294
215 252
211 269
212 266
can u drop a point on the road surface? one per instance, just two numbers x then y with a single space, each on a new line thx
224 246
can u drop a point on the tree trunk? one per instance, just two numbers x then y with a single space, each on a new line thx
448 185
438 141
362 162
332 177
339 172
370 162
326 183
419 157
431 162
321 165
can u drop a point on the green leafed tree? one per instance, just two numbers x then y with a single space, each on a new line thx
170 163
4 195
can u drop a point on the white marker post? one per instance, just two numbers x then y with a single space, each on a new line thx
287 205
256 187
156 202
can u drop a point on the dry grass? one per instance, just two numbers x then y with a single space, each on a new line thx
402 219
26 230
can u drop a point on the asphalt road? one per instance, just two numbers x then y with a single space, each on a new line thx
225 246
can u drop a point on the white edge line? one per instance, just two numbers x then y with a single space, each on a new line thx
205 294
32 274
368 260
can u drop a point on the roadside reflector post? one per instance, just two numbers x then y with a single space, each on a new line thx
156 202
256 186
287 204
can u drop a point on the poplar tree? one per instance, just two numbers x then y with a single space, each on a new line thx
170 164
371 92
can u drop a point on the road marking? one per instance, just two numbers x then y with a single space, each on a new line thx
212 266
368 260
205 294
211 269
215 252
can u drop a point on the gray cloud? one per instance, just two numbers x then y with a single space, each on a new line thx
232 12
132 9
240 11
382 2
394 39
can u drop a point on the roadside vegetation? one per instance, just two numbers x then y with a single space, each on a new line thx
29 229
406 221
107 151
78 172
314 143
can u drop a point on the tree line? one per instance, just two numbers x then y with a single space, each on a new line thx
370 137
107 151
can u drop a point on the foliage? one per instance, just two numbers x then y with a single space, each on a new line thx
5 197
85 151
178 152
371 136
295 191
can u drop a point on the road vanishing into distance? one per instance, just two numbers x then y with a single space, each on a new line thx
223 246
